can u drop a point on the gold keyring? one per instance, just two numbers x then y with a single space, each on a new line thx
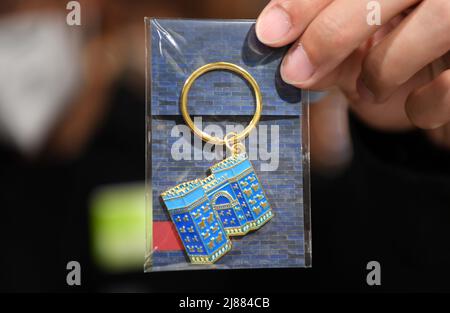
212 67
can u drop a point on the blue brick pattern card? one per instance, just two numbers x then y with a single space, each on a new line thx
206 208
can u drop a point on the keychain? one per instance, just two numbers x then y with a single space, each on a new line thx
230 201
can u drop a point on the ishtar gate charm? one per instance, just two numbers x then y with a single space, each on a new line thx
207 212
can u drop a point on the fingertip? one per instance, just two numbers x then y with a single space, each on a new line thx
273 25
296 68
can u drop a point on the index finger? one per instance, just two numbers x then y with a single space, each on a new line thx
283 21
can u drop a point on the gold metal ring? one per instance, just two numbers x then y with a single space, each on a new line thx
212 67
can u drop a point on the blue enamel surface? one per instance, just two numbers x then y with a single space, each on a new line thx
185 200
199 229
202 228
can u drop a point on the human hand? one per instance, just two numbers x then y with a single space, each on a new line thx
400 65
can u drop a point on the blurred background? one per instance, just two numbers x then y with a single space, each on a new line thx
72 139
72 166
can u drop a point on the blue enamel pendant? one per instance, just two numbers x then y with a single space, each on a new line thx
206 212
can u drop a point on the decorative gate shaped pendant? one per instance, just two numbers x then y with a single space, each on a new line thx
206 212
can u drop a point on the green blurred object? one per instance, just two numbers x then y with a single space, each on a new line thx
117 221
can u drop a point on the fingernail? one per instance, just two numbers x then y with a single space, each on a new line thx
273 25
364 92
296 67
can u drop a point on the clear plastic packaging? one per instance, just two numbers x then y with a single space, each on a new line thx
207 208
